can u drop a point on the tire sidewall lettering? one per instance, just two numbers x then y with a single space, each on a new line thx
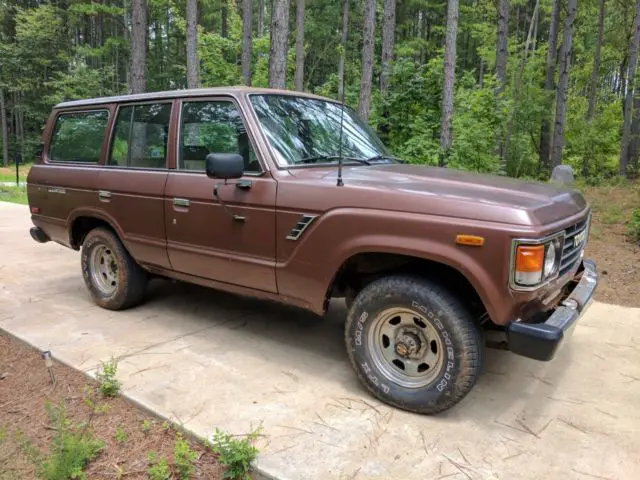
359 346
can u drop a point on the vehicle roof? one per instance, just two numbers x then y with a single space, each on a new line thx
194 92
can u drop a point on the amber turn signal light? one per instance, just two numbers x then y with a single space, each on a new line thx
470 240
529 258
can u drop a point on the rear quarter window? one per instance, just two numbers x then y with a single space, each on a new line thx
77 136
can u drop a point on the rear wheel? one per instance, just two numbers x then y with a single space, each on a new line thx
413 344
113 278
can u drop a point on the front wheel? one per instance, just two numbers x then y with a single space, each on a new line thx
413 344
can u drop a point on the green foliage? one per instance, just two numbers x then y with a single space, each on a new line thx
108 385
611 215
72 447
50 54
633 228
90 400
120 435
183 458
158 469
146 427
13 194
235 454
476 123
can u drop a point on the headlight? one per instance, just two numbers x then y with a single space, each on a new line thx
550 263
536 263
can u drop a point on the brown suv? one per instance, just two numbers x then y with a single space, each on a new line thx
427 259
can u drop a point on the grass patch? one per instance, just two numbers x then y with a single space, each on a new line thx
611 214
8 174
13 194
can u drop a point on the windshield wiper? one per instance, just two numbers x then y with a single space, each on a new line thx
384 157
333 157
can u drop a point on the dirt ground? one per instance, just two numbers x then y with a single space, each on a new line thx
618 259
25 429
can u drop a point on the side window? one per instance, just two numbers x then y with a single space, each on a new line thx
213 127
77 137
140 136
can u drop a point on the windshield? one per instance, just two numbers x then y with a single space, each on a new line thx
306 131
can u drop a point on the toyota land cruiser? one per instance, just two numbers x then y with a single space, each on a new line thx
291 197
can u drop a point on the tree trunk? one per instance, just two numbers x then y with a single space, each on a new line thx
260 18
138 45
368 42
223 22
628 101
517 88
247 11
449 80
279 34
343 48
298 78
545 126
5 132
622 80
502 48
593 85
563 84
193 65
388 41
634 137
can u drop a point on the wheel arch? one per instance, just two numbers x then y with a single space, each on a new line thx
80 223
361 268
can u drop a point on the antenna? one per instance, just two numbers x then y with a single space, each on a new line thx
340 183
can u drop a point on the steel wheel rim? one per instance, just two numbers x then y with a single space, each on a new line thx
104 269
406 348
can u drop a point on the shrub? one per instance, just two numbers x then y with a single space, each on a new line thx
236 454
108 385
72 447
183 458
120 435
158 469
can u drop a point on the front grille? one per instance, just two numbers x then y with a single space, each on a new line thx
571 250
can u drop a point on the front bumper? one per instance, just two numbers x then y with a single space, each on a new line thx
540 341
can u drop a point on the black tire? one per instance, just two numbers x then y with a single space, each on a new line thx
461 352
349 297
130 280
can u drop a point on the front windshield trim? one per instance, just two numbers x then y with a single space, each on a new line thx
288 166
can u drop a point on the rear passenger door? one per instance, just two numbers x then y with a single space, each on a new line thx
132 182
203 239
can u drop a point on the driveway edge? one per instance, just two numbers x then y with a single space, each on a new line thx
257 472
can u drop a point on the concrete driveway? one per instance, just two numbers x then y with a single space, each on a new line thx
209 359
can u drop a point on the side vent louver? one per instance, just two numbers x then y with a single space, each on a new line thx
300 227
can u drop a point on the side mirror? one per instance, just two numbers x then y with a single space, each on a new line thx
224 165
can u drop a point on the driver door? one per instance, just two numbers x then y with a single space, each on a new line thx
203 239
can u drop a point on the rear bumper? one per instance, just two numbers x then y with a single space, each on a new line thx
540 341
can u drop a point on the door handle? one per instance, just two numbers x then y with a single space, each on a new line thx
181 202
104 195
244 184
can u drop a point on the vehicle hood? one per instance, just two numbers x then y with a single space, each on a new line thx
443 191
